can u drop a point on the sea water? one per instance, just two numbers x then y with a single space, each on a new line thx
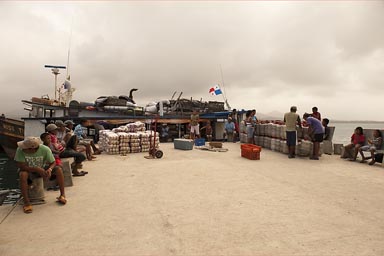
9 178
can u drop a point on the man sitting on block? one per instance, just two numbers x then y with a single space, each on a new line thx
34 161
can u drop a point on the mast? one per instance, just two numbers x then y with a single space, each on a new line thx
224 94
55 70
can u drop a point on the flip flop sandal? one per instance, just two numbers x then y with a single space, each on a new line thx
78 174
61 199
27 208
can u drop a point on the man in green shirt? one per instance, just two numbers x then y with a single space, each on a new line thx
36 160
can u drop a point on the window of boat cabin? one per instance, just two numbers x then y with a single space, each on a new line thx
74 108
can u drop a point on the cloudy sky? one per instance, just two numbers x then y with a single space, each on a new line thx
328 54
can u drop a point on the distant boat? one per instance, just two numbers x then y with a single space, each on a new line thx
11 131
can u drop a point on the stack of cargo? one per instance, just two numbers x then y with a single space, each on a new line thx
120 129
157 140
144 141
272 135
136 127
124 140
134 142
110 142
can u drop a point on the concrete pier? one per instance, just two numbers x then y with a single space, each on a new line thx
207 203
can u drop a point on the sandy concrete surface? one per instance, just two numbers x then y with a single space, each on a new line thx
207 203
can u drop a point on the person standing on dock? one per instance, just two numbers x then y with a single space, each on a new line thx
208 130
230 132
316 114
316 128
34 161
292 119
194 125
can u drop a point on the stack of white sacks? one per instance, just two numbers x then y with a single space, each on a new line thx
130 138
135 142
109 142
273 136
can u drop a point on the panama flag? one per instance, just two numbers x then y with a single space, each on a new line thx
215 90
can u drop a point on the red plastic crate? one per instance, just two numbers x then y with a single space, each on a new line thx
250 151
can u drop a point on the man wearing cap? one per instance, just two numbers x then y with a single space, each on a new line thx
229 130
291 119
35 160
57 147
82 136
61 131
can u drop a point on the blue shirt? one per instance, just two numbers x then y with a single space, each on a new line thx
78 131
316 125
229 126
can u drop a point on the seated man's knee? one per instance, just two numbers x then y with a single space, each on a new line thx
58 169
23 175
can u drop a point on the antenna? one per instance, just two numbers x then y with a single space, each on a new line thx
55 71
69 49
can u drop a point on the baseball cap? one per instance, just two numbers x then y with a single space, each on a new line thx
29 142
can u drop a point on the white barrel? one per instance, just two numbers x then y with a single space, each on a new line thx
269 129
284 147
257 129
277 145
305 148
273 144
267 142
262 129
273 131
261 141
284 132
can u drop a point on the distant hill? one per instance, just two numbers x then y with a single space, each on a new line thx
274 115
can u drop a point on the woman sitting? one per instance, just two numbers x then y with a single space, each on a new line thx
373 145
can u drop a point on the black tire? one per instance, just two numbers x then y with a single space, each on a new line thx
159 154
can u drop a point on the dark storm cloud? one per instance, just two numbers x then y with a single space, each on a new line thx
272 54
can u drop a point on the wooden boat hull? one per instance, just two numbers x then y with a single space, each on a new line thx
11 132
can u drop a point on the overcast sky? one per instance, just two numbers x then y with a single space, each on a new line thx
273 54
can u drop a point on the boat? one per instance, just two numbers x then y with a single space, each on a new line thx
11 131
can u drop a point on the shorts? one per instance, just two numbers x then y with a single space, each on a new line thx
319 137
85 142
368 148
291 138
35 175
195 129
250 131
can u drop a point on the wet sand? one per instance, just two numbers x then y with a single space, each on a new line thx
207 203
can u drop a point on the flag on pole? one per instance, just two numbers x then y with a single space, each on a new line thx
215 90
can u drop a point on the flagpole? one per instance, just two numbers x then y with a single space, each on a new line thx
224 93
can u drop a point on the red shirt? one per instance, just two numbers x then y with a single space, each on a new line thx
358 139
56 145
317 115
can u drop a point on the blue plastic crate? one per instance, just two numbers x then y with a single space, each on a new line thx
199 142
